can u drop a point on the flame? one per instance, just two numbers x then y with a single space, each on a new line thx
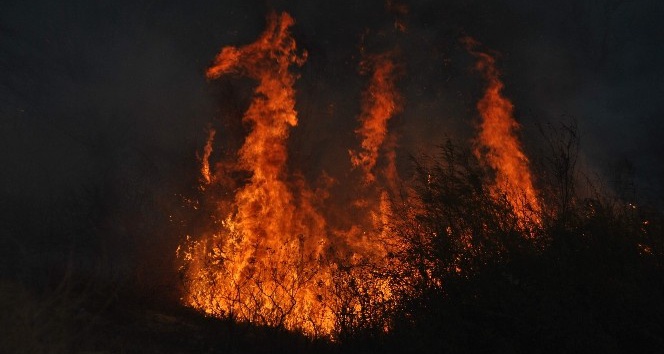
272 258
380 102
205 159
264 264
498 144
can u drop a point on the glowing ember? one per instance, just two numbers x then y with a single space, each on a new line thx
497 143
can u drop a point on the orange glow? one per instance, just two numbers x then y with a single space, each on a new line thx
380 102
498 145
273 259
265 263
205 159
271 255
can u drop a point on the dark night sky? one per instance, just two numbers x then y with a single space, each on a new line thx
90 89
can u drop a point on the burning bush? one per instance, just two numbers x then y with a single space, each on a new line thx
419 253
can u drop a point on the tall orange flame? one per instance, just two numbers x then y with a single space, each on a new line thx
205 159
273 259
498 144
263 265
380 102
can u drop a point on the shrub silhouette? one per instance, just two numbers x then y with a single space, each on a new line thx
471 279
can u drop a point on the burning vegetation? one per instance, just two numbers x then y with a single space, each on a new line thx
365 184
497 144
272 258
270 254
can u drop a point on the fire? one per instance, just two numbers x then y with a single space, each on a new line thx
264 264
380 102
498 145
205 159
273 258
